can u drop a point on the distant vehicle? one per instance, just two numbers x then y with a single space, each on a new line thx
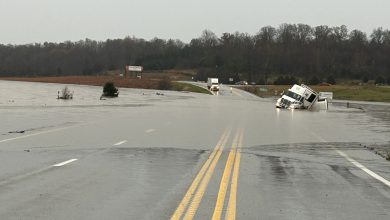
242 83
301 97
212 84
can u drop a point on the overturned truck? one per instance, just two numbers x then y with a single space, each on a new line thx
302 97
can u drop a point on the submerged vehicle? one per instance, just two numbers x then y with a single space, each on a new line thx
301 97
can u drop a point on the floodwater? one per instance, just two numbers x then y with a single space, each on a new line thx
28 94
29 106
138 154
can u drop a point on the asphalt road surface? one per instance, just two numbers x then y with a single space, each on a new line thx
186 156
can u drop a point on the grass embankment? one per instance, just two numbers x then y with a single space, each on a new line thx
92 80
151 81
179 86
342 92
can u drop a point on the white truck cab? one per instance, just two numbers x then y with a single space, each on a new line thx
212 84
299 97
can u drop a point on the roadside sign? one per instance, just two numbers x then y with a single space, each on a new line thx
135 68
326 95
263 89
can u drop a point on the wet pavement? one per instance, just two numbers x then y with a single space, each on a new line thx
138 156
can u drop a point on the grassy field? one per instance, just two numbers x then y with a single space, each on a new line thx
343 92
92 80
179 86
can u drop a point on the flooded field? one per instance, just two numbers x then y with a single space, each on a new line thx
29 106
29 94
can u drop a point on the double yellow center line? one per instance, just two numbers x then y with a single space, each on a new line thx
233 160
199 184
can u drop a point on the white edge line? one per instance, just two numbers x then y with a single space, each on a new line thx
318 137
121 142
357 164
64 163
365 169
29 135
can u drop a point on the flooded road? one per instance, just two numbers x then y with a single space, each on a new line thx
185 155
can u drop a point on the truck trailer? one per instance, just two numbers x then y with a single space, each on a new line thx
212 84
301 97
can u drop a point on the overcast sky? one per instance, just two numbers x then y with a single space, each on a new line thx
28 21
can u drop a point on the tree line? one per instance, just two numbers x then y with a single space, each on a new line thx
290 50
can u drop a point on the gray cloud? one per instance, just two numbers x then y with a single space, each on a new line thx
27 21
